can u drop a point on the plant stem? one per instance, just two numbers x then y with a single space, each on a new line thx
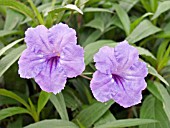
86 77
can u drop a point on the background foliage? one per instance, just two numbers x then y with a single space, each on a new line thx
144 23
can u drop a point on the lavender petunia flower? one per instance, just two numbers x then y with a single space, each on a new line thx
51 56
119 76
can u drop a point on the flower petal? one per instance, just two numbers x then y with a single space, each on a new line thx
102 86
61 35
72 60
37 39
105 60
52 78
129 92
30 64
125 92
138 69
126 55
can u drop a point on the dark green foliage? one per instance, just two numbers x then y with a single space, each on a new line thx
144 23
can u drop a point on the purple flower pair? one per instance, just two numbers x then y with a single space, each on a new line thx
52 56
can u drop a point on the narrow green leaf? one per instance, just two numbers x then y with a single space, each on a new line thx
18 6
165 96
163 54
80 124
6 100
152 108
39 17
53 123
59 104
12 95
33 111
143 30
153 89
107 117
67 7
81 3
92 48
126 123
82 88
9 32
96 23
74 7
16 124
163 35
128 4
89 9
13 16
123 16
10 58
88 116
146 5
4 49
162 7
116 21
153 71
154 5
162 49
7 112
92 37
42 100
71 99
138 20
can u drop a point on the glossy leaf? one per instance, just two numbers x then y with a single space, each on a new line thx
96 23
143 51
42 100
137 21
107 117
92 37
162 7
88 116
71 99
165 96
53 123
152 108
7 112
154 90
123 16
67 7
74 7
126 123
153 71
143 30
128 4
59 104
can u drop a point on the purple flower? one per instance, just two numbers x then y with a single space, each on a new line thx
119 76
51 56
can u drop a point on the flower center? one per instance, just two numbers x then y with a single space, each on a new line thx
58 54
118 79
